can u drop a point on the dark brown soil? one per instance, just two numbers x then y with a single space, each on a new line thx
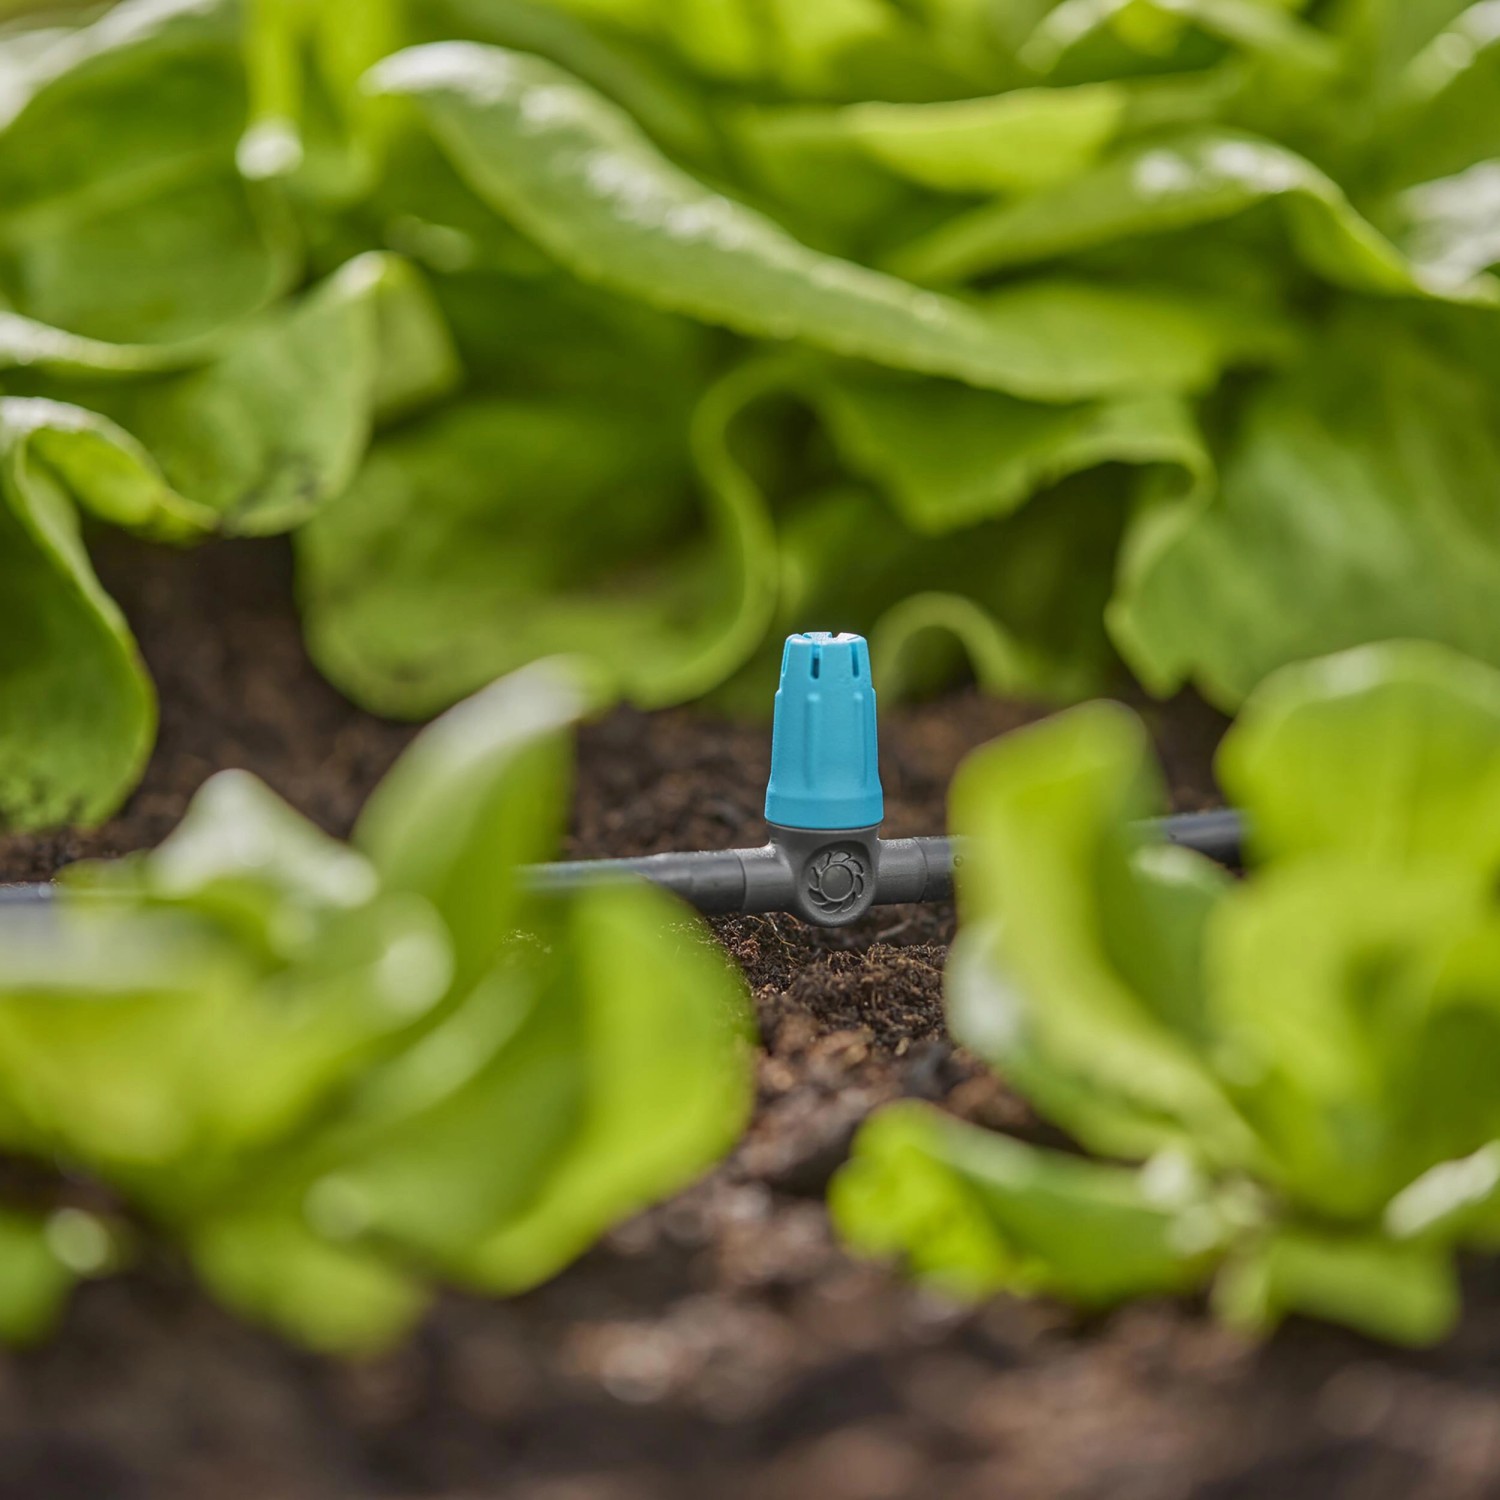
721 1345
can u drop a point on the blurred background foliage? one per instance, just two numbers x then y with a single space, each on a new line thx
1044 341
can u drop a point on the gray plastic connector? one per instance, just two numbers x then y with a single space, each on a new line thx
829 877
832 877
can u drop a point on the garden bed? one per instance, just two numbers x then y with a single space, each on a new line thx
720 1346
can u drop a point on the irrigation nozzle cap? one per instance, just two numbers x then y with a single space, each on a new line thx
825 759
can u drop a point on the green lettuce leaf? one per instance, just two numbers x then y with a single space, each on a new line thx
806 163
672 107
310 125
79 713
1302 1059
849 48
1160 27
1077 971
1454 1199
481 794
863 178
511 528
1355 979
1404 1294
1426 787
1449 224
406 576
1353 507
28 345
542 1050
973 1212
1441 121
246 969
121 215
1385 37
1013 142
664 1021
1341 1019
334 1298
335 1073
277 425
1174 183
949 456
574 172
567 1057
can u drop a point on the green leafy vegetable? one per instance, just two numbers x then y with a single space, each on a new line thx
309 124
1302 1061
1172 184
250 442
560 327
1353 506
576 175
123 217
335 1072
1013 142
540 498
952 457
275 427
79 711
972 1212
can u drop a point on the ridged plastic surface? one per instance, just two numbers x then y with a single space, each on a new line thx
825 759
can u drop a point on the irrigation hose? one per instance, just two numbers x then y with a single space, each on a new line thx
829 879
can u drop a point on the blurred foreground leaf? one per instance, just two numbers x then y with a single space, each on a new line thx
1303 1062
336 1073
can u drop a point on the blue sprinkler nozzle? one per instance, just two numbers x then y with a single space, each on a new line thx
825 762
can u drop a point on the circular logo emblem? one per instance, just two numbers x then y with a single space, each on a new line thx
836 880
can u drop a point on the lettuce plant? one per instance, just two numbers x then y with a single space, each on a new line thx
1045 333
336 1072
1291 1077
